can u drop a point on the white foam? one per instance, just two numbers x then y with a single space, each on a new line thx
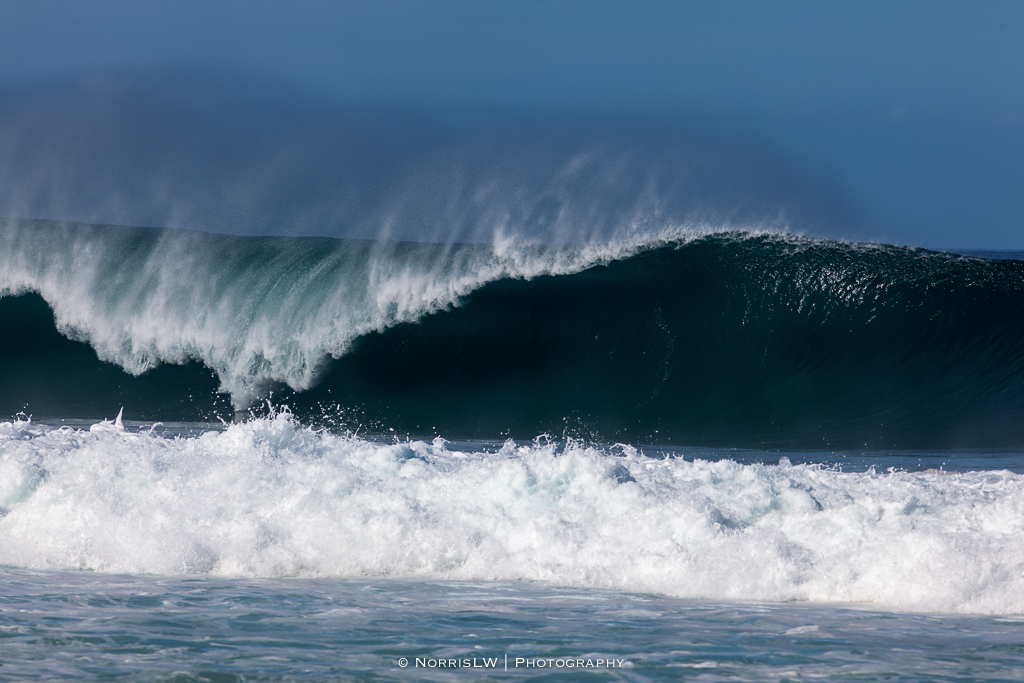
271 498
256 310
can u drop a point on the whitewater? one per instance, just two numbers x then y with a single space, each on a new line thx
270 498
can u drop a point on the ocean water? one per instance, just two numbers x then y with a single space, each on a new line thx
82 626
696 454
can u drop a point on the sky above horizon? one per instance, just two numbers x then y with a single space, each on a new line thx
911 113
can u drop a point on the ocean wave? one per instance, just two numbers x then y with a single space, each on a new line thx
693 337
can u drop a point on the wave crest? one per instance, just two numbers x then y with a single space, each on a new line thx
257 311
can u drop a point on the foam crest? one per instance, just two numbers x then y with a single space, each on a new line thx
272 498
257 311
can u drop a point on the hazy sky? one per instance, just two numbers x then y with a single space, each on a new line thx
912 111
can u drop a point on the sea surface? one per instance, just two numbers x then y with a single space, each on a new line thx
692 455
84 626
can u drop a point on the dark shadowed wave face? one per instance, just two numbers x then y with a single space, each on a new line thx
726 340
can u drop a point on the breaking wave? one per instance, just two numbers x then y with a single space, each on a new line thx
692 337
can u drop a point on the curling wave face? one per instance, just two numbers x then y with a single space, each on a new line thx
257 311
272 498
725 338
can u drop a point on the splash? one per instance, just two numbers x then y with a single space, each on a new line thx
272 498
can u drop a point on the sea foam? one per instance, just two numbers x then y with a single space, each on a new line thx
271 498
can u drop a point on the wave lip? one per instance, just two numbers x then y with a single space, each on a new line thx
257 311
271 498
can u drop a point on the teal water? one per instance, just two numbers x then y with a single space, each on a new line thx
84 626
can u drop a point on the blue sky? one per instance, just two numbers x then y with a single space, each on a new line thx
911 114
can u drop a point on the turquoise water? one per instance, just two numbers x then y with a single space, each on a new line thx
57 625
